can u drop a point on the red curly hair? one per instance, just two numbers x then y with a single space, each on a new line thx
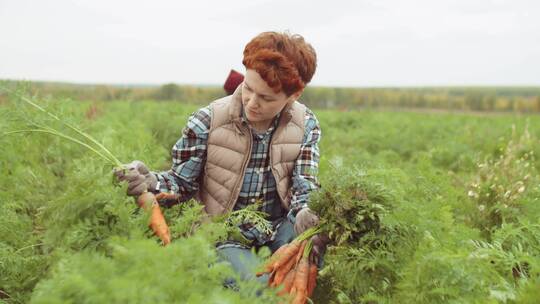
286 62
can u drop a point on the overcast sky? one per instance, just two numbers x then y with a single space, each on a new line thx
359 43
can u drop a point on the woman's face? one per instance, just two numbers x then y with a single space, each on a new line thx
261 104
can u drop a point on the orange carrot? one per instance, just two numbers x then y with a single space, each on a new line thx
287 254
301 280
157 221
269 265
301 251
271 278
282 271
300 298
159 225
312 281
288 283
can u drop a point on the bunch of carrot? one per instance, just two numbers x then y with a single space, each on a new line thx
290 269
146 200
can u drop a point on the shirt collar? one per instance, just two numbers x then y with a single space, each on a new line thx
273 125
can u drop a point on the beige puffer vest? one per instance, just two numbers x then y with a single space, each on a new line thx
229 151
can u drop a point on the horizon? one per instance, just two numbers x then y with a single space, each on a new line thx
154 85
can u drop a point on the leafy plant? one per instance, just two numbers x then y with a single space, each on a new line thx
501 184
403 226
350 205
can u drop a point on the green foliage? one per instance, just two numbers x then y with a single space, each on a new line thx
251 214
350 205
438 273
140 271
368 269
395 194
502 184
529 291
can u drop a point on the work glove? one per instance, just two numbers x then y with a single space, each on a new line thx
305 219
138 177
319 241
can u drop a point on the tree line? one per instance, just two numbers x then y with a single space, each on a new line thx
499 99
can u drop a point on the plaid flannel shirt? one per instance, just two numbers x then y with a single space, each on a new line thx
259 185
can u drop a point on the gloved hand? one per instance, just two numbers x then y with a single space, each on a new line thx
305 219
138 177
320 241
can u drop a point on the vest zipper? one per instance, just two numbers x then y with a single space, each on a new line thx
240 181
283 203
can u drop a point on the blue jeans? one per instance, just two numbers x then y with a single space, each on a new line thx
245 262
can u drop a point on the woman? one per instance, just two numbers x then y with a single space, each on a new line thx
257 145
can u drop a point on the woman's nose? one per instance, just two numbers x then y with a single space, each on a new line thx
253 101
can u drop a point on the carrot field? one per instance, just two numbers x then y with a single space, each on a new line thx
457 217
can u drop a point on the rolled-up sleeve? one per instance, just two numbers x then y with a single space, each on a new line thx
304 179
188 157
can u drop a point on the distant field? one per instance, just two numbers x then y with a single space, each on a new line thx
464 225
484 99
